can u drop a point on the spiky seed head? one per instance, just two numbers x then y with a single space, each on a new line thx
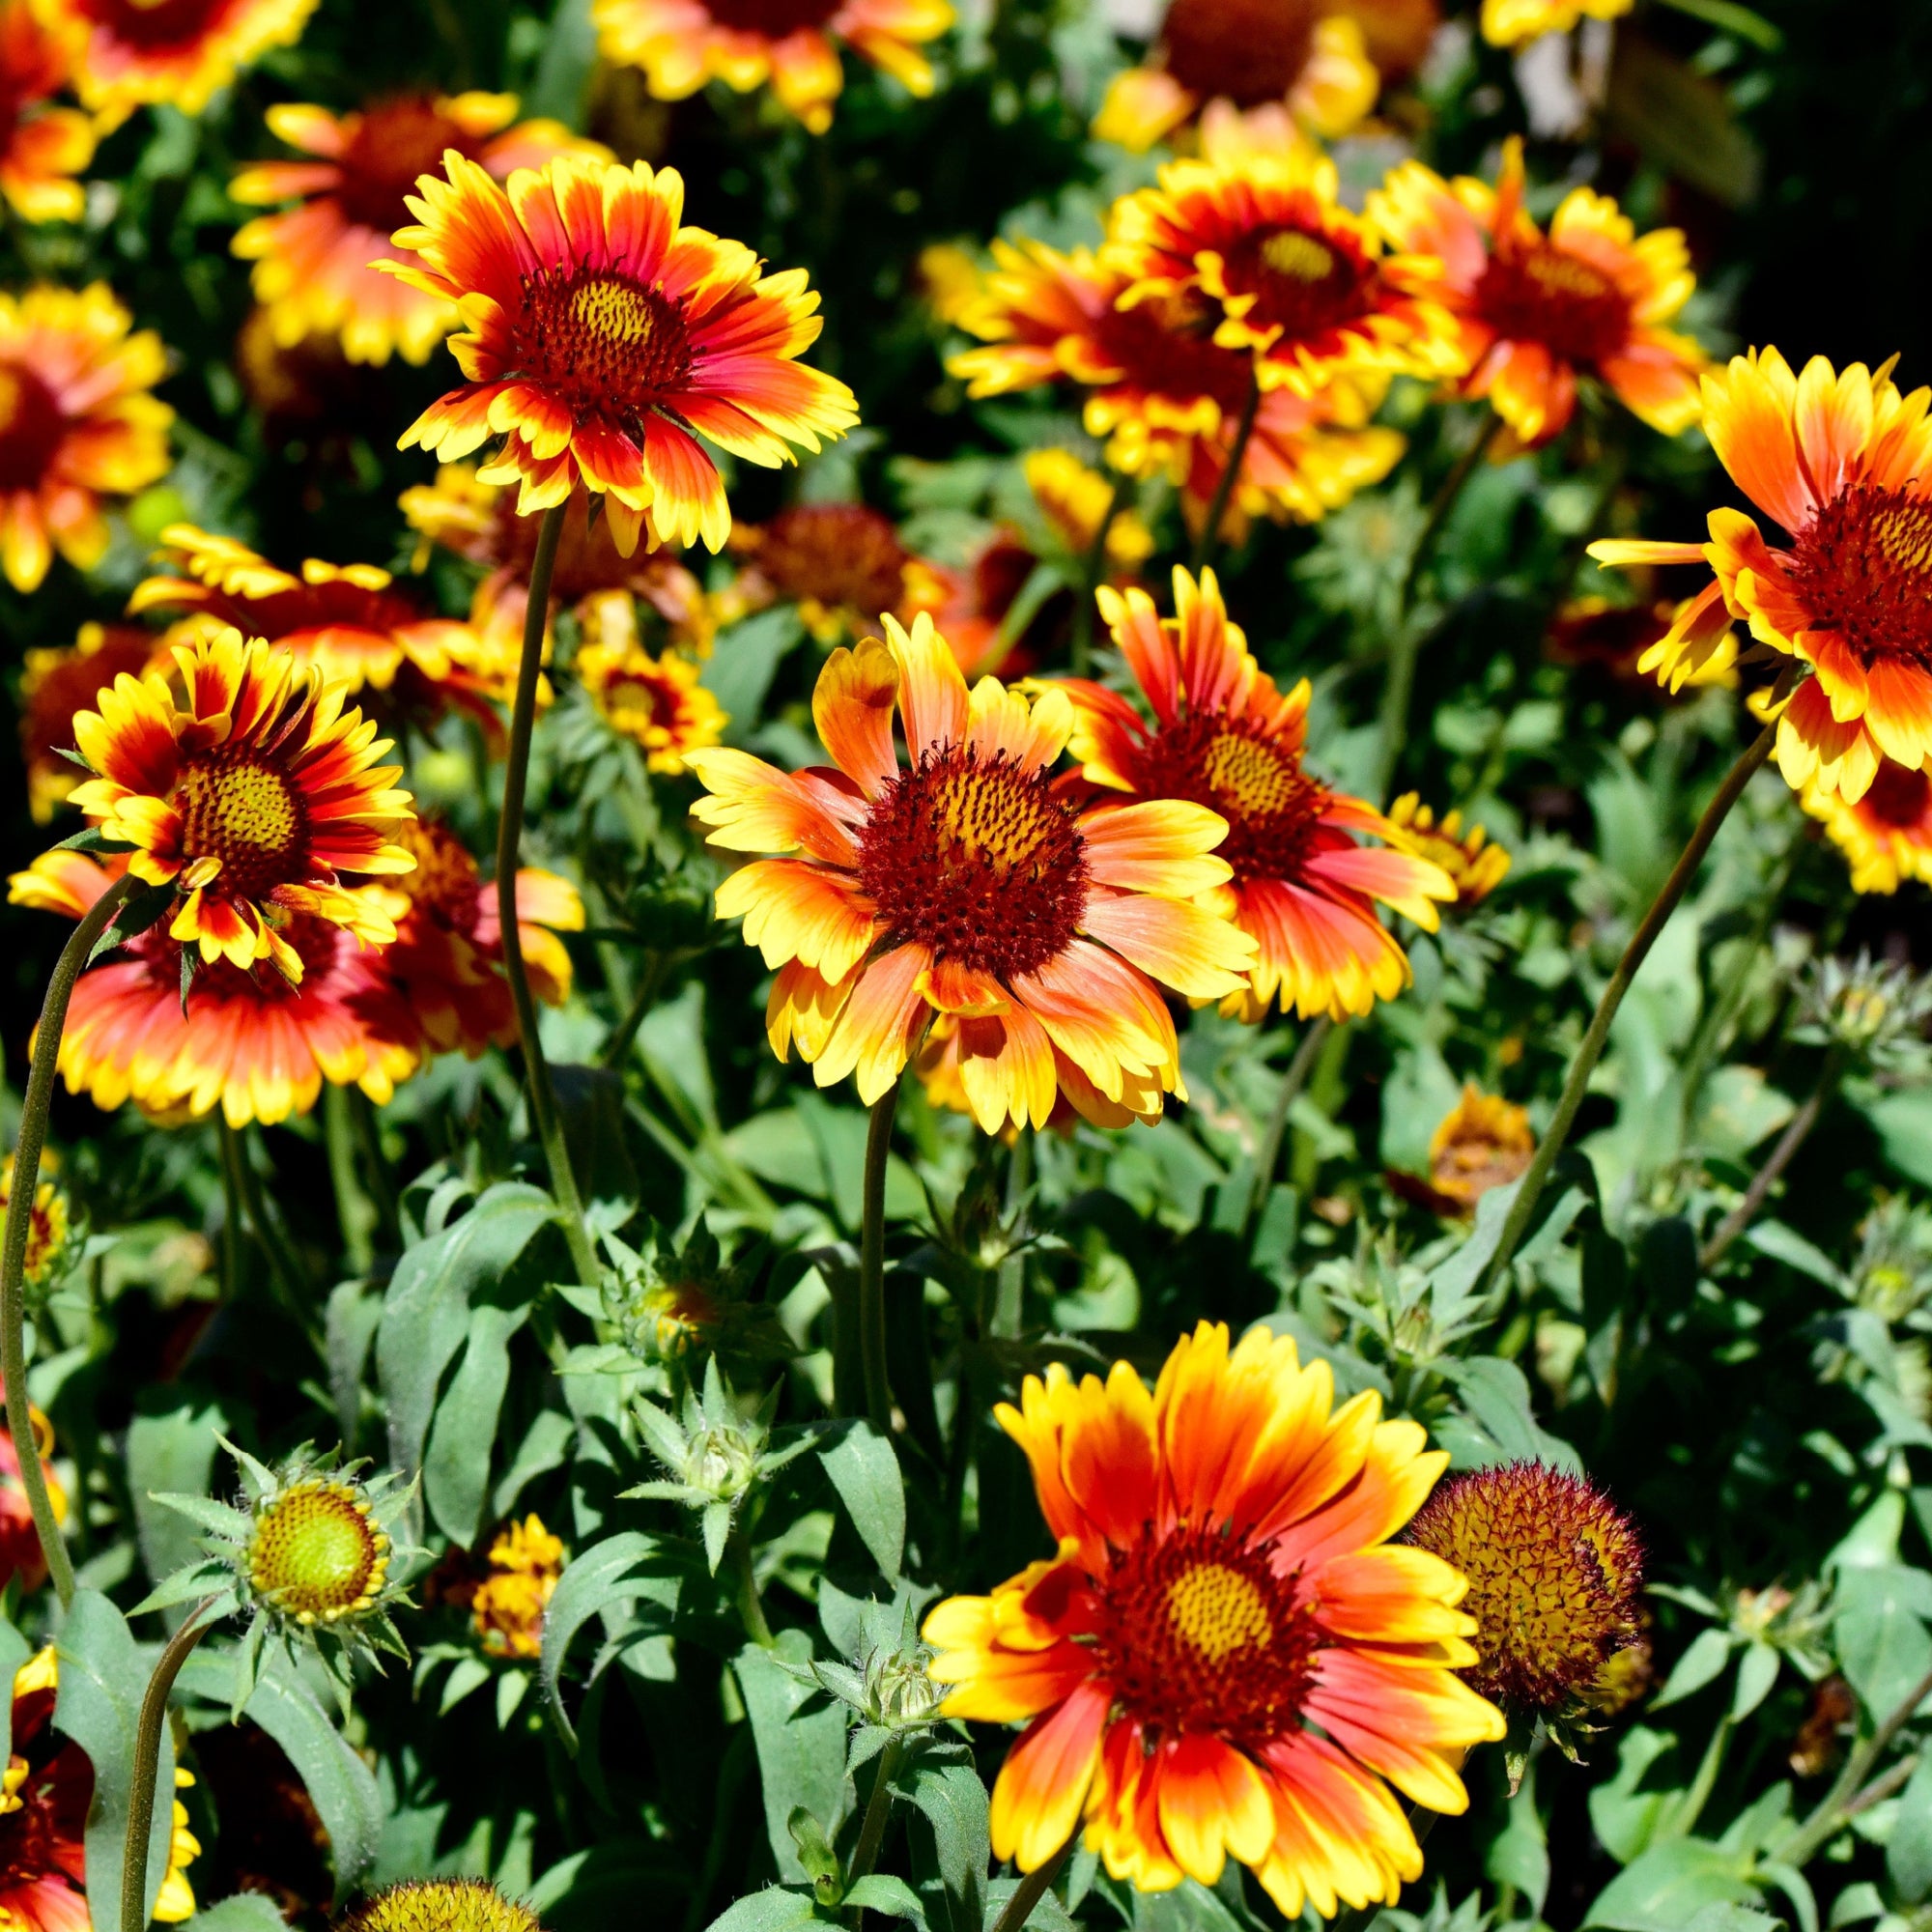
316 1556
441 1905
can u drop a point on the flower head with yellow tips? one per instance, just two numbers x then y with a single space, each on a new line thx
57 681
1886 834
138 53
657 702
1227 1656
965 881
1515 23
1475 866
42 145
1483 1142
507 1610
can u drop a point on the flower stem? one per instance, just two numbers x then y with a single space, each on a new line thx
1577 1081
1445 500
1009 1284
750 1606
878 1810
509 840
25 1186
1808 1839
617 1046
1268 1156
354 1211
872 1264
376 1165
1032 1888
1080 649
1802 1123
283 1269
147 1763
1209 539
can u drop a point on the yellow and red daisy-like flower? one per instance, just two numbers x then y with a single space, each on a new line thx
966 882
347 622
139 53
841 563
1536 312
21 1552
793 44
1475 866
55 683
1225 738
602 333
253 798
1226 1656
1483 1142
43 147
1074 498
447 958
1292 277
1513 23
507 1610
1309 55
312 261
1617 638
1886 834
1844 463
77 423
657 702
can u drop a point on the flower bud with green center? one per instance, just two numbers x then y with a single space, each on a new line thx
665 1303
899 1695
441 1905
1872 1013
316 1556
1554 1572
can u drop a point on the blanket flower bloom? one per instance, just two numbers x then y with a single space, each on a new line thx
1844 463
1483 1142
77 423
251 798
42 145
681 44
1296 279
249 1042
967 883
602 333
841 563
57 681
507 1610
1475 866
138 53
1226 1657
656 702
1886 834
1514 24
1535 312
1224 737
312 261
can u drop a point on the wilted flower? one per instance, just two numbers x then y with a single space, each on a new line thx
507 1609
1483 1142
1474 866
441 1905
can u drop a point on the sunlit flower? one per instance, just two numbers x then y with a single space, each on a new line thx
49 1224
443 1905
1616 637
446 961
1474 866
312 272
1556 1572
55 683
1073 500
77 424
1291 275
1510 24
1844 463
841 563
1483 1142
139 53
1224 737
20 1553
252 798
1226 1656
657 702
967 883
347 622
1535 312
1310 56
248 1041
793 44
602 332
507 1610
43 147
1886 834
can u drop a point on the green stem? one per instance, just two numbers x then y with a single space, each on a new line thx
354 1211
376 1166
1682 1822
1793 1138
1010 1290
750 1606
1267 1156
878 1810
283 1269
617 1047
25 1186
1081 648
1031 1889
1803 1843
1209 539
1439 513
1635 953
872 1264
509 841
146 1764
234 1217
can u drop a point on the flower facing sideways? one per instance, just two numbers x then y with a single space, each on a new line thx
1476 867
1226 1657
56 683
965 882
655 702
602 332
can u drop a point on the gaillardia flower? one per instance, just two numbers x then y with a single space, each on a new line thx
841 563
253 798
1074 498
441 1905
1844 463
1535 312
1513 23
55 684
1226 1656
248 1041
49 1225
968 883
21 1552
43 147
1556 1572
602 333
1225 738
681 44
656 702
1483 1142
1474 866
507 1610
138 53
312 272
1886 834
77 424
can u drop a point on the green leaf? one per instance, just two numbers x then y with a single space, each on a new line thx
878 1891
1709 1652
739 673
563 83
172 1449
1757 1673
1907 1853
1664 1890
953 1801
242 1912
1498 1423
14 1651
1519 1855
1884 1647
801 1750
865 1470
353 1318
773 1909
456 1461
594 1580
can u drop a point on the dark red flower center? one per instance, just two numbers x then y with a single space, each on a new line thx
978 860
1273 807
1165 344
774 20
391 146
1305 282
240 808
1863 568
1197 1633
844 555
32 427
444 885
1248 50
154 25
604 344
1544 295
318 944
1899 798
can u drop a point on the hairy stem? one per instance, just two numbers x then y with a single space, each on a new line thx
750 1606
1209 539
1793 1138
509 841
147 1763
25 1185
1268 1156
873 1264
878 1810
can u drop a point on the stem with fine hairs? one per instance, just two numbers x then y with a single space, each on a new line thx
872 1264
146 1765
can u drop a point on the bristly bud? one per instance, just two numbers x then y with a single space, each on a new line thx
668 1301
441 1905
887 1686
1871 1012
1556 1572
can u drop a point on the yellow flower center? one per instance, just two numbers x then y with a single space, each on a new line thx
316 1555
1299 257
1256 783
1541 293
1560 274
242 812
1217 1612
1251 775
613 311
443 1905
991 823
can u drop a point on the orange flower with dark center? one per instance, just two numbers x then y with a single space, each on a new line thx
43 147
136 53
312 271
47 1787
1886 834
658 702
55 684
841 563
21 1552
